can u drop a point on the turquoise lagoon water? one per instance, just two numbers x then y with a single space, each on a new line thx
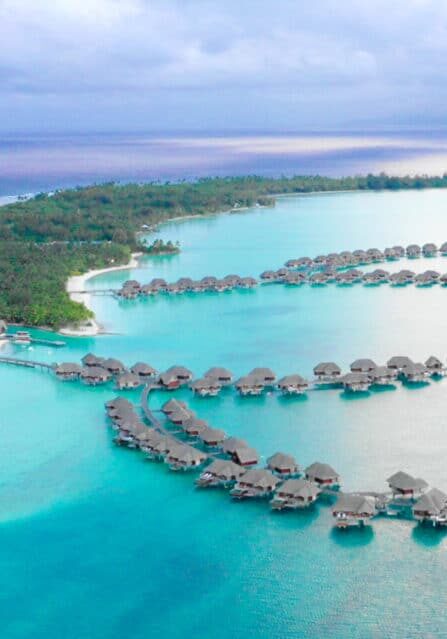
95 542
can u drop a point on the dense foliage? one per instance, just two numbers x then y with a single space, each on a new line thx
159 247
46 239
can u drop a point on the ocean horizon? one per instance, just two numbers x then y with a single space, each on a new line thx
31 163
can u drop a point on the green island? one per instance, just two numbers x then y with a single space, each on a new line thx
46 239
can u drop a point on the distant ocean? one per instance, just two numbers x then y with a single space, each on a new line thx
33 163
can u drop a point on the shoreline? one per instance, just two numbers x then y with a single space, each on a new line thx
77 282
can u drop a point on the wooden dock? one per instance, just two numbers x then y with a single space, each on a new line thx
26 363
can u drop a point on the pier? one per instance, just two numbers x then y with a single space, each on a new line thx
27 363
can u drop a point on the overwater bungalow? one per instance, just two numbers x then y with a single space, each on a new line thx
159 446
222 375
92 360
413 251
247 282
193 426
375 255
269 276
292 263
293 385
304 262
145 437
415 372
95 375
295 493
143 370
221 472
320 260
362 256
232 280
390 254
149 289
353 510
318 279
116 403
212 437
172 406
283 465
294 278
128 293
169 381
159 284
121 411
197 287
383 376
184 457
68 371
255 483
172 289
431 507
209 282
264 374
250 385
323 475
405 486
363 366
443 279
427 278
429 249
378 276
185 283
231 444
114 366
435 366
245 456
327 372
184 375
206 387
399 251
356 382
180 416
443 248
398 362
128 381
401 278
282 273
128 434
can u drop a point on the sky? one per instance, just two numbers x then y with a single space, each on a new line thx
221 65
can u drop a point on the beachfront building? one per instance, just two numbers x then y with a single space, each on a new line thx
206 387
327 372
431 507
68 371
221 472
293 385
405 486
323 475
283 465
255 483
222 375
295 493
353 510
184 457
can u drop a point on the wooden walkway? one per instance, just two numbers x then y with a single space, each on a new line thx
26 363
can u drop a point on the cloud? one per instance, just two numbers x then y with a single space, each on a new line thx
324 61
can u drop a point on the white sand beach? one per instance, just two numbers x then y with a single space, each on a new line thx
77 283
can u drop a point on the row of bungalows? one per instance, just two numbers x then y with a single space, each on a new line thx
100 370
212 382
372 255
133 433
302 492
209 283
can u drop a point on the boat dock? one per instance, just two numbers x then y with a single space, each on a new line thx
27 363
